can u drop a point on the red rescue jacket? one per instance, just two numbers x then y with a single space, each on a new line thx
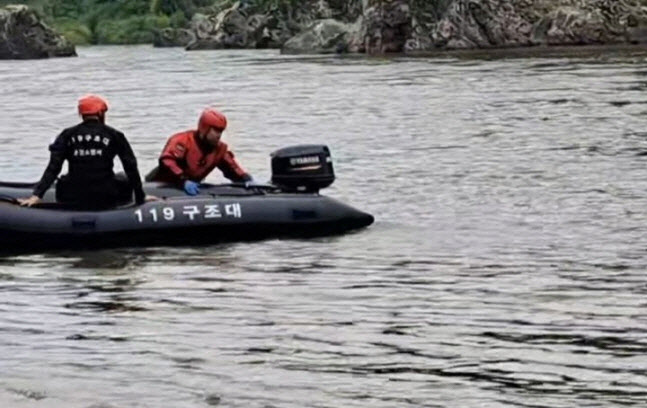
185 158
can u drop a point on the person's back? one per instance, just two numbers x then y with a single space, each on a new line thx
90 148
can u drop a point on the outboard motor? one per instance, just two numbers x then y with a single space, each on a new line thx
303 168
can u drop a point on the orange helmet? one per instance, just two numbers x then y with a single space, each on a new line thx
92 105
211 118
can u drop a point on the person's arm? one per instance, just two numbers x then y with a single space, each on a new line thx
232 170
129 162
173 153
56 159
172 159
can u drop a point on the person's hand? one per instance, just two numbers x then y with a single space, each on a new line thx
150 198
191 187
28 202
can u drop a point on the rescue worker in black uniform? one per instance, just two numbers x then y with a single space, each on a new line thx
90 148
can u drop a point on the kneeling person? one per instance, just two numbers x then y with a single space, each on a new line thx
190 156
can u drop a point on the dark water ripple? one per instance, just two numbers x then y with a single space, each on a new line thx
506 267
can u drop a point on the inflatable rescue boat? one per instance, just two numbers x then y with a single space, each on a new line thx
290 206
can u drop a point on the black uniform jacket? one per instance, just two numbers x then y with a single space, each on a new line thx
90 148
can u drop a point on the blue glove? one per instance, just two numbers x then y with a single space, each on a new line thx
191 187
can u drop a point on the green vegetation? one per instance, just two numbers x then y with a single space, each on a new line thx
114 21
135 21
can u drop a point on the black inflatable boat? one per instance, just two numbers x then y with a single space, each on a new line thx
289 207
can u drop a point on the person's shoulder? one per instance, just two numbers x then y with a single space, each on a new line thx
113 130
96 126
70 131
184 138
182 135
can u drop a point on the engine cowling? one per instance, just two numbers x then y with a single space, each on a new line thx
302 168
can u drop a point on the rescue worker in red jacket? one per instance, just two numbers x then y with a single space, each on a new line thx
90 148
190 156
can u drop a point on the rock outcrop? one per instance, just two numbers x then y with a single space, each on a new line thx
323 37
23 36
238 27
418 25
468 24
385 26
245 25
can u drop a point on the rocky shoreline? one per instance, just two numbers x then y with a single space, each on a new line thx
368 26
414 26
24 36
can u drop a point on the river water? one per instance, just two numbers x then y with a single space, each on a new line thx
506 267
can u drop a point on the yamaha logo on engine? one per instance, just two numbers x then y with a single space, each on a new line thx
295 161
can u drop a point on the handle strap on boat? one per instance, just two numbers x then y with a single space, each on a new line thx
263 187
8 199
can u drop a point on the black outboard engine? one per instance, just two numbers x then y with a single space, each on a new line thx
303 168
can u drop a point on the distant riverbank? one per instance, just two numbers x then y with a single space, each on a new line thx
347 26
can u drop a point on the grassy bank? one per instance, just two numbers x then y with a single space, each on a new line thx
121 21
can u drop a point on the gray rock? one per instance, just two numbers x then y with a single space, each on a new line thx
384 27
24 36
481 24
504 23
227 29
637 34
238 27
173 37
324 37
379 26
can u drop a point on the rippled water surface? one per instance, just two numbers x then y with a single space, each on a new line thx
506 268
